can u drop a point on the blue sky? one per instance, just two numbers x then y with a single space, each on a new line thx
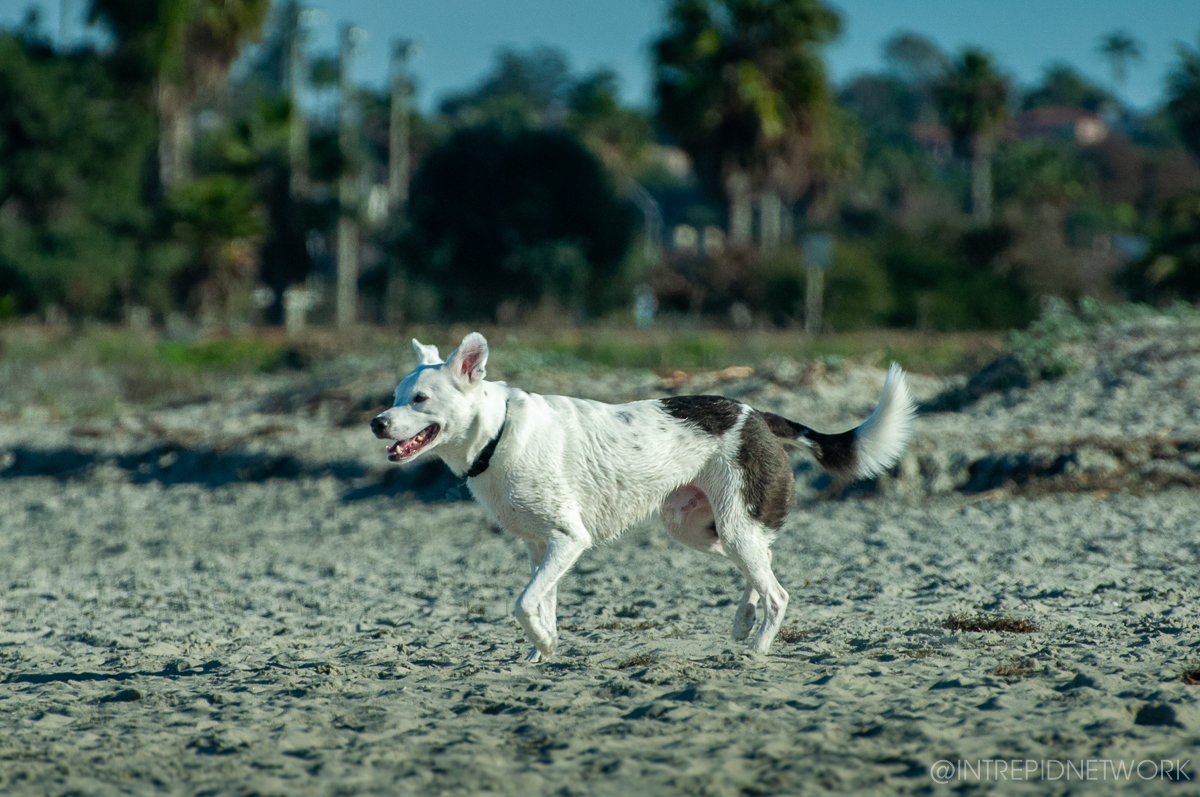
459 37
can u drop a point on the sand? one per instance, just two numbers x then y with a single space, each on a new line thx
241 597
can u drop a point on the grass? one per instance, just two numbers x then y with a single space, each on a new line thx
667 350
974 623
234 354
95 370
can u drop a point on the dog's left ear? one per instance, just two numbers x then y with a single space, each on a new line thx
426 355
469 360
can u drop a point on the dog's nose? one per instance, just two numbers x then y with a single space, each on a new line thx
379 425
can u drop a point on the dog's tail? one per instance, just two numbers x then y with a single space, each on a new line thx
867 450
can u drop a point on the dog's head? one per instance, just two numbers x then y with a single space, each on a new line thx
437 402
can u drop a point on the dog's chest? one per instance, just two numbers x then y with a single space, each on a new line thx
519 504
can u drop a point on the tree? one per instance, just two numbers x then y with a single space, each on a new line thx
914 58
73 156
1183 97
517 216
1119 49
183 49
741 87
1063 85
972 97
617 135
524 89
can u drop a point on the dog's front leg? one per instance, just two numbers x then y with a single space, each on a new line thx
536 605
549 607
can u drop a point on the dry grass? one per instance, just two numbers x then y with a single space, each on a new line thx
791 634
641 660
1006 625
645 625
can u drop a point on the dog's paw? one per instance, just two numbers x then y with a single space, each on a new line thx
534 657
743 621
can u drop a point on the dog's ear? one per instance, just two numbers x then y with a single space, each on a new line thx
426 355
469 360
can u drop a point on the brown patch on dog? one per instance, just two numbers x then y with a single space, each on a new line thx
782 427
834 452
714 414
766 474
1006 625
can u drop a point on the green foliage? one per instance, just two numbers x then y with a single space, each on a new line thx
741 85
73 155
1183 97
944 284
239 354
972 97
1052 346
1046 348
783 279
523 90
500 216
1171 269
857 293
1062 84
1042 171
617 135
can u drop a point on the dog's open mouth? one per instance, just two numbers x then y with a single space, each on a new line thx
407 449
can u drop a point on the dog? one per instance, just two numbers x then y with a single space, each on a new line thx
564 473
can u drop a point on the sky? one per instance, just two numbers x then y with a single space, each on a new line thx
458 38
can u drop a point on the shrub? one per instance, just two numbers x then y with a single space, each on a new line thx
515 216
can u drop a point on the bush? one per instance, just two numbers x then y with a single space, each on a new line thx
857 292
954 286
1171 270
74 152
501 216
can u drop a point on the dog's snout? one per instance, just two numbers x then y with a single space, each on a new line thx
379 425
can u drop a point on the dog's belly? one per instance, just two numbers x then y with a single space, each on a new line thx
688 516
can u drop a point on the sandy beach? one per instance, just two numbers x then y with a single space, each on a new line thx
240 596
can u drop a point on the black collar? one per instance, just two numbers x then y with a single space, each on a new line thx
485 456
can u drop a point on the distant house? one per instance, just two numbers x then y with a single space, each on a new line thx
1060 121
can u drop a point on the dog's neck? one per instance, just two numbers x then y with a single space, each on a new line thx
492 401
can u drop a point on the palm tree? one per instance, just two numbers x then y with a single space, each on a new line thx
972 97
1119 49
184 48
1183 97
741 87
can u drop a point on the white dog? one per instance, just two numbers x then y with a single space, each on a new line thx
564 473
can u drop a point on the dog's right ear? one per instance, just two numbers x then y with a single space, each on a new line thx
426 355
469 360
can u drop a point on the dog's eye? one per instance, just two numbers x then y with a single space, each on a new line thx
419 398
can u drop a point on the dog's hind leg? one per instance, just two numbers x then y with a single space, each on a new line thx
747 543
536 602
688 516
747 611
748 549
